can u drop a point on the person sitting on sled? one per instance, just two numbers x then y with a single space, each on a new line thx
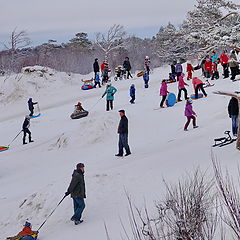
78 108
26 233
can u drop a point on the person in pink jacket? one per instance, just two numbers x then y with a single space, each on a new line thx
198 85
181 87
163 92
190 114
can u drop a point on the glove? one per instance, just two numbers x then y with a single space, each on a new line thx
67 193
112 94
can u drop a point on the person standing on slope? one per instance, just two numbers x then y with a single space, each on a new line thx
181 87
127 66
234 65
31 106
233 111
25 128
190 70
123 135
132 93
224 63
163 93
96 67
179 70
190 114
208 68
110 92
77 190
147 64
198 85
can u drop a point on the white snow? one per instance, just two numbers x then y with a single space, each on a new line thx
34 177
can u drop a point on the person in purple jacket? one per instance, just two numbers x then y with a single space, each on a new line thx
179 70
163 92
190 114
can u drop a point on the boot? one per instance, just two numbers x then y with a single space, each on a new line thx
30 140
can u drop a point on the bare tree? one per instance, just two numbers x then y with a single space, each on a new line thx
113 39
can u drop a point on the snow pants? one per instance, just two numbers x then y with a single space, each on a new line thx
163 100
189 120
200 87
180 93
132 99
109 105
234 124
78 205
189 75
25 132
225 70
234 72
123 144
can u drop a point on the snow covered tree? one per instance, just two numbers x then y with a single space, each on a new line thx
113 39
213 24
80 41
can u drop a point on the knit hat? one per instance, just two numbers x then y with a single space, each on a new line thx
27 224
80 165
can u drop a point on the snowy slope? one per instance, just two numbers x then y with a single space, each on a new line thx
33 178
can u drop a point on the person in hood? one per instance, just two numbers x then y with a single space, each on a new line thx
25 128
31 106
181 87
110 92
26 233
198 85
163 92
179 70
233 111
123 135
208 68
128 67
190 114
132 93
224 62
190 70
77 189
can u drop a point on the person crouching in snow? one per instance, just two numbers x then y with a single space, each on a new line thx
181 87
132 94
190 114
198 84
163 93
26 233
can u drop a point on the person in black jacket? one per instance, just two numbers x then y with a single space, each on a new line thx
25 127
31 106
77 190
96 67
233 111
127 66
123 135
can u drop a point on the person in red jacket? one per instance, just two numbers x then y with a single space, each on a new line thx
224 63
208 68
189 70
215 74
198 85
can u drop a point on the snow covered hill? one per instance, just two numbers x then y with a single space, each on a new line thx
33 178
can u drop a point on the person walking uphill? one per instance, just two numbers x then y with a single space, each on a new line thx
77 190
127 66
163 93
190 114
198 84
31 106
233 111
132 93
110 92
123 135
25 128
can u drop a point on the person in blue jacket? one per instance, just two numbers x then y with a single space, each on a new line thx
31 106
110 92
132 93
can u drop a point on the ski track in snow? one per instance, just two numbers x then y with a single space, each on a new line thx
34 177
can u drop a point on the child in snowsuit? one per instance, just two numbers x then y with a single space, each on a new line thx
146 79
163 92
110 91
97 80
215 74
25 128
181 87
208 68
26 233
132 94
31 106
198 84
190 114
147 64
78 108
189 70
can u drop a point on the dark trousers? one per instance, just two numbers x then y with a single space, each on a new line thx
25 132
78 205
200 87
180 93
31 112
225 71
207 74
215 75
234 124
189 120
148 70
234 72
132 99
129 74
109 105
97 83
163 100
123 144
146 83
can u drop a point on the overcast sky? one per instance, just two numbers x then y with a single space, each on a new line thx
61 19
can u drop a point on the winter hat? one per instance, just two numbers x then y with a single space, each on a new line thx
30 99
147 57
122 111
132 85
27 117
80 165
27 224
189 101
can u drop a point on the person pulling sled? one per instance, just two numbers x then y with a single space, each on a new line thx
26 233
25 127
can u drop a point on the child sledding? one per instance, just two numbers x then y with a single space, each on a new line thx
79 112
